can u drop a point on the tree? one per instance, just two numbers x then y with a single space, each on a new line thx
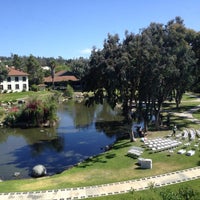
3 72
184 57
35 71
105 70
52 65
195 43
80 66
145 69
17 62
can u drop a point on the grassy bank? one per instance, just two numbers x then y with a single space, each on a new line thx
12 97
115 165
111 166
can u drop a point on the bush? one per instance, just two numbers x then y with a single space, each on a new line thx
34 88
185 193
35 113
69 91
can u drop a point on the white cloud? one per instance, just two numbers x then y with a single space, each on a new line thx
86 51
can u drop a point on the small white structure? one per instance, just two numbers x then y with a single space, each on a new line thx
190 153
135 151
145 163
17 81
181 151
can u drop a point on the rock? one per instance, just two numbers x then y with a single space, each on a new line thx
38 171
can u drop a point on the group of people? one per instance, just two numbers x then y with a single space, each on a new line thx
138 131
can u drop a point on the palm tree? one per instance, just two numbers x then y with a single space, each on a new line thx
52 66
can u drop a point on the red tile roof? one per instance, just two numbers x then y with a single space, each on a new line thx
14 72
61 76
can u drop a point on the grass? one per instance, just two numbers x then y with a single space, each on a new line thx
12 97
114 165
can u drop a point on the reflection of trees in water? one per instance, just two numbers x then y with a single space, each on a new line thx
56 144
109 121
111 128
83 116
107 113
4 134
38 139
106 119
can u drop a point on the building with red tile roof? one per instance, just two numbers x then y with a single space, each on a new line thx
17 81
61 79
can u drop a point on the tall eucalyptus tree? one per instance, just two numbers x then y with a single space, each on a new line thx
184 60
35 71
3 72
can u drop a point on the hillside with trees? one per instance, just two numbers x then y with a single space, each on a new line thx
33 66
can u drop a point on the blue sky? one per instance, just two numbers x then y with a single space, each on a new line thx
70 28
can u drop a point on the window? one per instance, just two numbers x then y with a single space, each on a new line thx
24 78
9 79
9 87
16 79
17 86
24 87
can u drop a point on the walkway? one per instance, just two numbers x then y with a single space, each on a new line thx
107 189
189 114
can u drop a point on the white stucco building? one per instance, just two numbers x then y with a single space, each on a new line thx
17 81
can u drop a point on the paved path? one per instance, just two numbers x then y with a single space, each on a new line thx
189 114
107 189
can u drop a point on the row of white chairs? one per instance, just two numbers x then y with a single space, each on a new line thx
190 133
161 144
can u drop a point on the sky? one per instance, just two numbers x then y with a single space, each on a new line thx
70 28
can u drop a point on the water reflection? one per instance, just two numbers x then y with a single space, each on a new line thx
81 133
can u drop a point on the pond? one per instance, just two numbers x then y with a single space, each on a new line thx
81 132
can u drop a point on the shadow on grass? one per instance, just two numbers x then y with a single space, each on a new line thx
96 159
121 144
182 122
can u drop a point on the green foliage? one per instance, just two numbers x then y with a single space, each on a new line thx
34 113
17 62
3 72
186 193
34 88
35 71
145 69
69 91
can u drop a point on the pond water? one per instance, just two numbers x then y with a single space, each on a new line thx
82 132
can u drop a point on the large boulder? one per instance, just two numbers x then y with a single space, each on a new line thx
38 171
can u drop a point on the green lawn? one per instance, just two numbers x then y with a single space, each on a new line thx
10 97
113 166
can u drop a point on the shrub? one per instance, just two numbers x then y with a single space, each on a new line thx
34 88
34 113
69 91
